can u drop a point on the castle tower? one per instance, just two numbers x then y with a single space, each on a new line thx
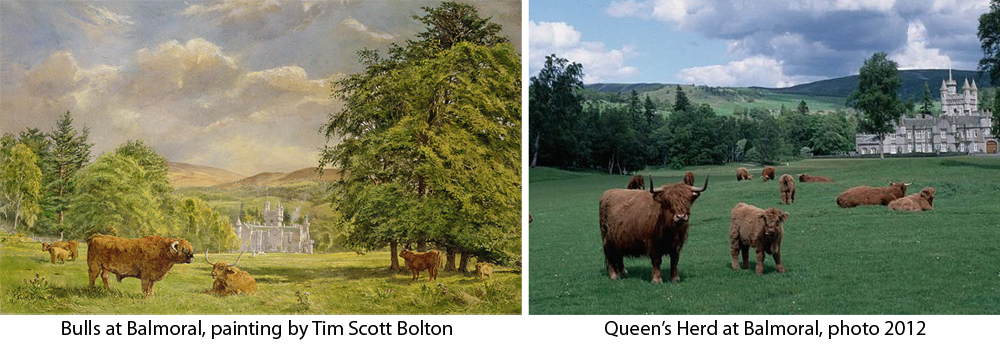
975 96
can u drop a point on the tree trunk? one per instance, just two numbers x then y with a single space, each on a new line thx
422 244
392 254
463 265
450 256
534 157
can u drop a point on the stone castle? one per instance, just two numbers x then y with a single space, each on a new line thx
273 235
960 127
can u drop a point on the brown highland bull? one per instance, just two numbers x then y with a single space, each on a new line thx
484 270
653 223
70 246
787 187
148 259
807 178
743 174
865 195
922 201
229 279
767 174
761 229
56 253
417 261
689 178
636 182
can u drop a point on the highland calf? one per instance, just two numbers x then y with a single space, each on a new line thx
767 174
761 229
56 253
787 187
636 182
689 178
807 178
70 246
417 261
148 259
743 174
865 195
922 201
484 270
653 223
229 279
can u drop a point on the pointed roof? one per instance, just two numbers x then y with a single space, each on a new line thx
238 222
943 86
965 85
974 85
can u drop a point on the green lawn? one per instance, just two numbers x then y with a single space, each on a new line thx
865 260
338 283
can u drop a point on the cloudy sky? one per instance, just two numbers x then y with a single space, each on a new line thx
751 42
239 85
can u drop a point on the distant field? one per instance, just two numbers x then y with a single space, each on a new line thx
865 260
338 283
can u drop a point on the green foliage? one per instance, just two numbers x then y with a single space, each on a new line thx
114 192
202 226
20 183
37 288
681 102
926 103
67 154
877 96
555 108
989 37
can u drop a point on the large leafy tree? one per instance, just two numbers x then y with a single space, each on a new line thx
20 183
68 153
430 141
989 38
926 103
203 227
681 102
877 96
555 106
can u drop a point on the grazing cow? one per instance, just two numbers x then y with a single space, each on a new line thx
417 261
636 182
689 178
56 253
787 186
653 223
229 279
743 174
484 269
865 195
922 201
767 174
359 252
807 178
761 229
148 259
70 246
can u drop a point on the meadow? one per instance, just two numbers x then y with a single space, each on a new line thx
865 260
336 283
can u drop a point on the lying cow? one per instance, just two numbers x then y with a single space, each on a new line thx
229 279
417 261
787 187
70 246
653 223
689 178
865 195
807 178
56 253
636 182
922 201
761 229
767 174
743 174
148 259
484 270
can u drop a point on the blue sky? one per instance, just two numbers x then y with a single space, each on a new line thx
750 43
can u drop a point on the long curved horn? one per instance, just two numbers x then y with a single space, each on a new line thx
703 187
173 246
206 257
237 259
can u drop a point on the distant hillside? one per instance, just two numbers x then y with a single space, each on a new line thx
188 175
724 100
274 179
912 84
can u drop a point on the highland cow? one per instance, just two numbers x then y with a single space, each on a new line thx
922 201
807 178
767 174
70 246
743 174
653 223
229 279
484 270
761 229
417 261
56 253
149 258
689 178
787 187
865 195
636 182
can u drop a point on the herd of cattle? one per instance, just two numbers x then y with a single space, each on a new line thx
654 223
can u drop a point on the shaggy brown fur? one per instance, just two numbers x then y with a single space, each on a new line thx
767 174
865 195
484 270
229 279
653 223
743 174
804 177
761 229
689 178
417 261
70 246
637 182
56 253
787 186
922 201
148 259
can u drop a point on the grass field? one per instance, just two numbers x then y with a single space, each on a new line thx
865 260
338 283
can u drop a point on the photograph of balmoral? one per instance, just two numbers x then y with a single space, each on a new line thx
776 156
322 157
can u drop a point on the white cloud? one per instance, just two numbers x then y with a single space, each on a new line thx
754 71
916 54
600 64
355 25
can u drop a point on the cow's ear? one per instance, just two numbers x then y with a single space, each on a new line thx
784 216
229 269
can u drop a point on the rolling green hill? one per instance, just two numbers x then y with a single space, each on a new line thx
912 80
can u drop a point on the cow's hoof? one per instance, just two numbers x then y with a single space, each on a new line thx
657 280
613 276
781 269
675 280
736 266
